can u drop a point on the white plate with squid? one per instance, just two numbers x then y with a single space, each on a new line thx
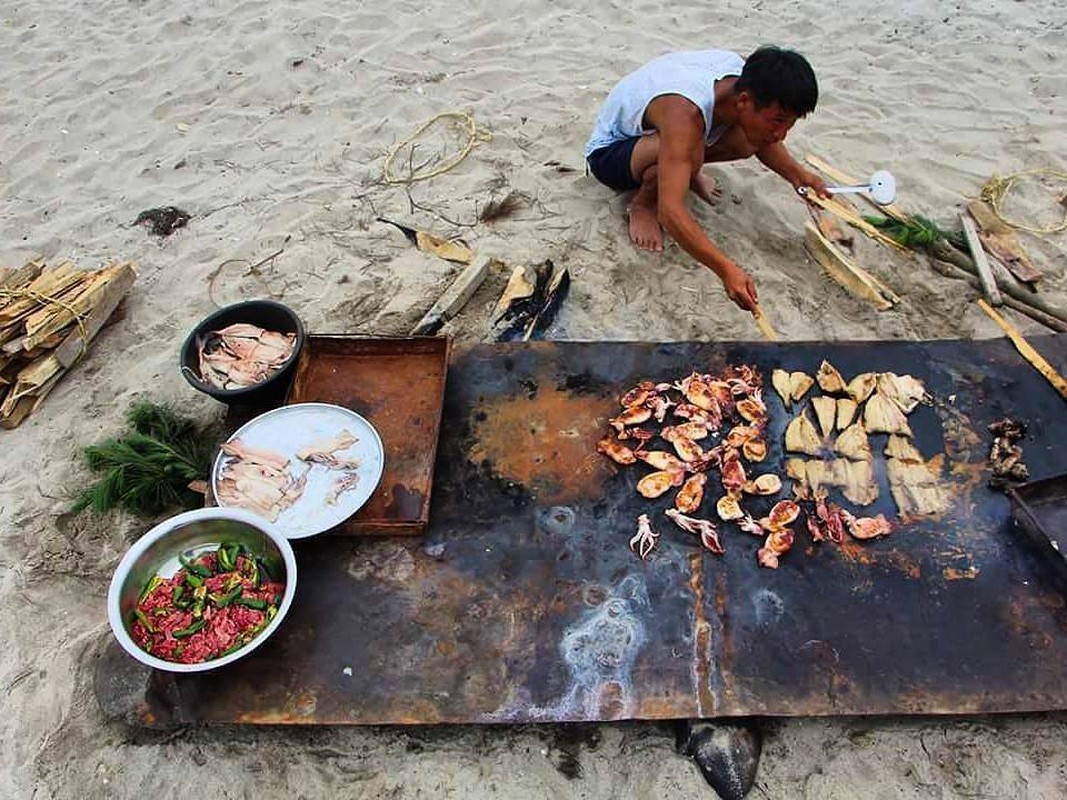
307 467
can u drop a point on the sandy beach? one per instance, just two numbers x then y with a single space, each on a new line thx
270 123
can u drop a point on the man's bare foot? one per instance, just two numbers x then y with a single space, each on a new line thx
645 231
706 188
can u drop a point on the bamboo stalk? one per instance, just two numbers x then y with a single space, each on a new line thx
950 270
944 251
981 263
1026 350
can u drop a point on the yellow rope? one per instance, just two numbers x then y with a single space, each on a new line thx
47 299
474 135
996 190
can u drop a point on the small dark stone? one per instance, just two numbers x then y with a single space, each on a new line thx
727 754
296 62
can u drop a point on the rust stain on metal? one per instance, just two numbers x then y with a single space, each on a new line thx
867 556
545 442
702 636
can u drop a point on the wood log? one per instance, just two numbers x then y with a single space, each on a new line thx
846 272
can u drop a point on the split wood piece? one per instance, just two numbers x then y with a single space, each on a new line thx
985 272
455 296
764 325
846 212
1028 352
24 300
21 276
37 378
1001 240
43 369
44 324
840 176
846 272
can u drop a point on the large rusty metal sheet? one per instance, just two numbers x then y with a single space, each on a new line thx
399 385
523 603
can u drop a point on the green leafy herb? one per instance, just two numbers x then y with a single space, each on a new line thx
148 469
919 233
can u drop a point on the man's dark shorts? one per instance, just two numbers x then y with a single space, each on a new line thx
611 165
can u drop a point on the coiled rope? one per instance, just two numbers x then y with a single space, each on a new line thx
997 188
474 135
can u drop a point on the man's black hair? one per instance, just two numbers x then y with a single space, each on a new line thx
774 75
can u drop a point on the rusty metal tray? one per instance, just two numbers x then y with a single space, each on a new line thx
1040 511
398 384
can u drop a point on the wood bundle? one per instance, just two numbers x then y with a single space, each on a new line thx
48 316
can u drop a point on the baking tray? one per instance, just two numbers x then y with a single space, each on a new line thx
1040 511
398 385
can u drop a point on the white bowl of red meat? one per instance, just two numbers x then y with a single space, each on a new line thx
202 589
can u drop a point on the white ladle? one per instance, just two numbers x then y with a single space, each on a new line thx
882 188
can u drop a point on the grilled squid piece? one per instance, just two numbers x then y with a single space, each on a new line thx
619 453
705 529
691 494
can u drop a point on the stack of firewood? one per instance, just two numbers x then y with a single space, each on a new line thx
48 316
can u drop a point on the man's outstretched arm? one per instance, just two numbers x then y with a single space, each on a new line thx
775 157
681 152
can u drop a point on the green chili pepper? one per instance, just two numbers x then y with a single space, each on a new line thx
252 602
149 587
187 632
233 648
223 600
194 580
144 620
176 595
228 556
199 569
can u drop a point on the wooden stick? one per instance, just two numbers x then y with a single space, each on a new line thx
985 272
764 325
1028 352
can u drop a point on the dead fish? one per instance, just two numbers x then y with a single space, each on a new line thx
727 754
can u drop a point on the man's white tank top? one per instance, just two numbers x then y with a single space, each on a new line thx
691 75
